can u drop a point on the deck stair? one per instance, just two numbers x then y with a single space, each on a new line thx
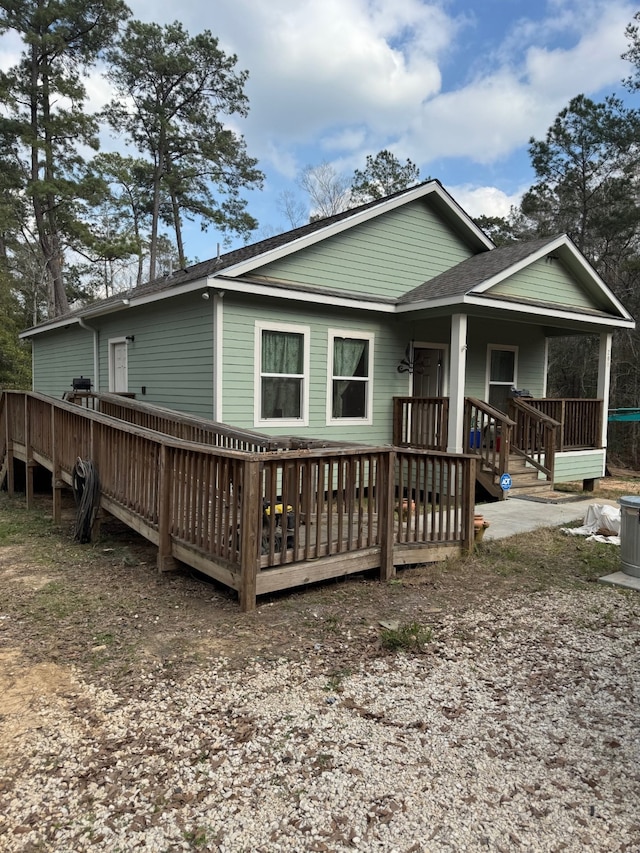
525 480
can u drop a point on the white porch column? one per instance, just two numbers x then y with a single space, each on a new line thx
604 382
457 374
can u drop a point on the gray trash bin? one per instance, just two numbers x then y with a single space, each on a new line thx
630 535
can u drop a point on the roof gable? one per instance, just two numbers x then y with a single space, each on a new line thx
383 256
543 272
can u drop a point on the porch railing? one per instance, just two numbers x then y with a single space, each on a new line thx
534 436
420 422
257 522
580 420
487 434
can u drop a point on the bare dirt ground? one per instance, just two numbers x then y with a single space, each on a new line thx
101 612
104 609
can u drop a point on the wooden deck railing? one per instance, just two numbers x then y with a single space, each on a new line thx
420 422
580 420
534 436
257 522
487 434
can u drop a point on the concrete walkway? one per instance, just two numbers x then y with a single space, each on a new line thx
515 515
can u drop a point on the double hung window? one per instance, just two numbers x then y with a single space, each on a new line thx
282 356
350 376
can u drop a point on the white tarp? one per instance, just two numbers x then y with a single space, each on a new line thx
601 524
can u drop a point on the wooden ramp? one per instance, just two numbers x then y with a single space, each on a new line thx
213 504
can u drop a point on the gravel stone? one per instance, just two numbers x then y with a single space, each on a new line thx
515 729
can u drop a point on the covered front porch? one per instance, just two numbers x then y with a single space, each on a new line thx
525 442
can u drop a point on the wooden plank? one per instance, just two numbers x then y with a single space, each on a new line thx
166 560
410 553
300 574
250 532
29 463
203 563
130 519
386 484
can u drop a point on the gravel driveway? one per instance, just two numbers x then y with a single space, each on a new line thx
516 728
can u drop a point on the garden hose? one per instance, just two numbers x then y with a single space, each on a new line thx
85 491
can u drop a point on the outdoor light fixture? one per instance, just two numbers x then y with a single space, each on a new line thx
205 295
130 338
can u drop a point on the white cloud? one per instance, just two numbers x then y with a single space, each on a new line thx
484 201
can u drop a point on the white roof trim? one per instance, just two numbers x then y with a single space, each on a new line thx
324 298
562 242
123 303
433 187
472 299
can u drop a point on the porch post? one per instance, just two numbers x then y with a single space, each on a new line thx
604 384
457 375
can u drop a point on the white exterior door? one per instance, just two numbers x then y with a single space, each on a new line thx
118 375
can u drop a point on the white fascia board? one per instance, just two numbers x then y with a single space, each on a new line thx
123 304
356 219
325 298
513 308
426 304
547 311
563 242
59 324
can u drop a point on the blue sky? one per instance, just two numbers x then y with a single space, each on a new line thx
457 86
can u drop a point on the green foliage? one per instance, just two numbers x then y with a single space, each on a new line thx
410 637
15 355
383 175
182 89
587 185
499 229
587 177
45 117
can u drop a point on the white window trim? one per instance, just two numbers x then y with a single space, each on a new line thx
111 361
358 335
265 326
506 348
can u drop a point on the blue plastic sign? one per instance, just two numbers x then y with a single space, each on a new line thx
505 482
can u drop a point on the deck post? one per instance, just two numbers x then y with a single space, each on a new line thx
249 534
166 560
29 464
386 523
56 479
9 445
468 507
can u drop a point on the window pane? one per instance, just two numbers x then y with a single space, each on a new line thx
349 399
499 397
282 352
281 398
502 365
350 357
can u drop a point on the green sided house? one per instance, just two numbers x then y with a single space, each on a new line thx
395 322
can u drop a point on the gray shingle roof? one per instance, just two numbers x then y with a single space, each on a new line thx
217 265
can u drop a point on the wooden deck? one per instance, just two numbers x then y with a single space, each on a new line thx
256 513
